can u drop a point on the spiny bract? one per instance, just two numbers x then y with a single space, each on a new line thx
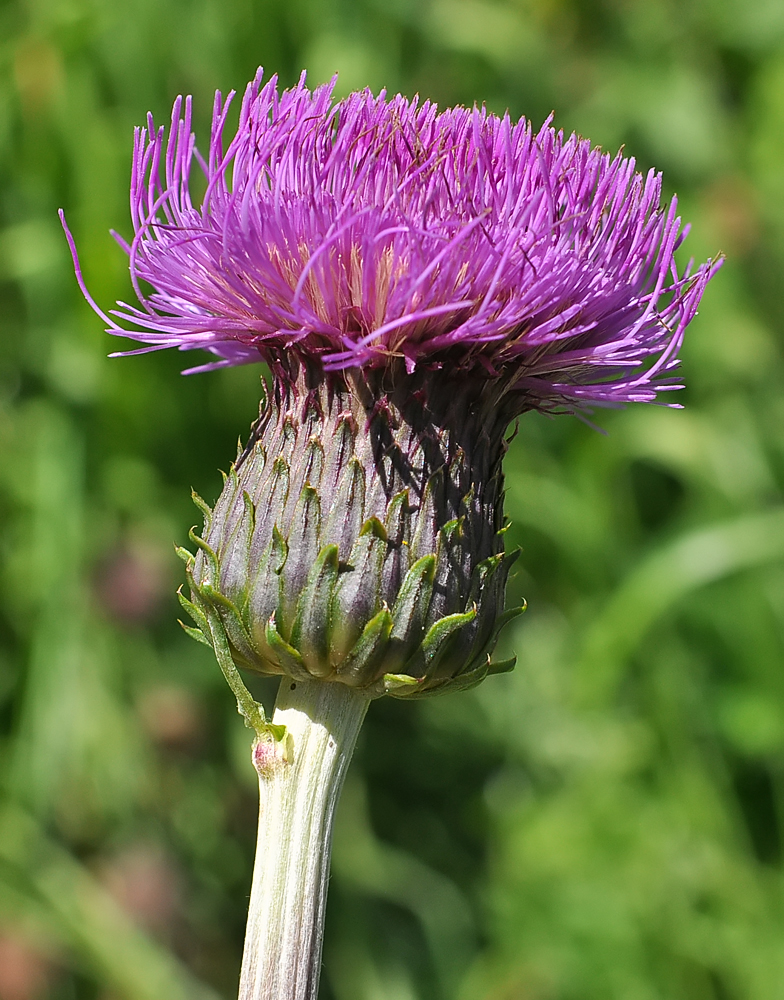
359 538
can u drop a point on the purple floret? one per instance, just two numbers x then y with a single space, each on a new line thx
371 229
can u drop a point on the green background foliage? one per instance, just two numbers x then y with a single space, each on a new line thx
603 824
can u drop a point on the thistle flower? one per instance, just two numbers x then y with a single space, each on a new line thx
415 280
370 229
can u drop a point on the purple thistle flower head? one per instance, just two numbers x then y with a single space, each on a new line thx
370 231
415 280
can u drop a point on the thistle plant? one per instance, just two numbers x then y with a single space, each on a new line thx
415 281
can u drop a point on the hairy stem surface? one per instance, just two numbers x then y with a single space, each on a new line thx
300 779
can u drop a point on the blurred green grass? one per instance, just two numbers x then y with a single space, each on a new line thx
605 822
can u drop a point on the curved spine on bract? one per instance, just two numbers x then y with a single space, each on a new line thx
369 550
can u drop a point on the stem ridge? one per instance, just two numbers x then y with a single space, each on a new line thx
282 957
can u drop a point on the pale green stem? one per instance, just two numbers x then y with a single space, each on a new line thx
300 778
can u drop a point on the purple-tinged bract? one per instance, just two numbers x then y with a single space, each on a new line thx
369 229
